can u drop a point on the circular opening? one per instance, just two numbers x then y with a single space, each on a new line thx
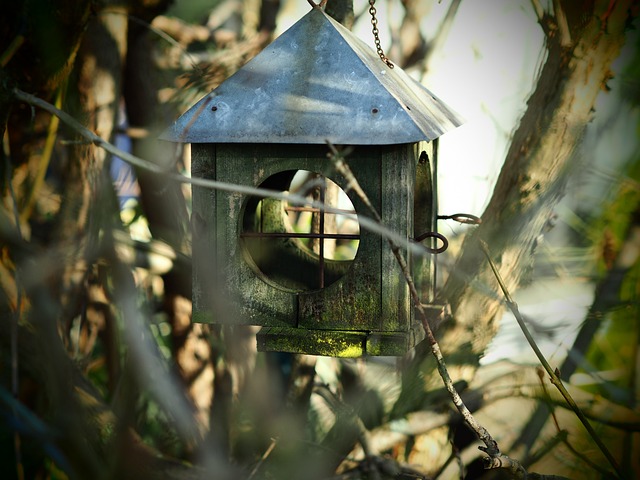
298 247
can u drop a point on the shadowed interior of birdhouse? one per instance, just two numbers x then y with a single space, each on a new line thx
296 247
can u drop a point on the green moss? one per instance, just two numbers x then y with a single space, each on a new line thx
313 342
335 343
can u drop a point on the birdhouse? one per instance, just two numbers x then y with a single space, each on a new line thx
298 262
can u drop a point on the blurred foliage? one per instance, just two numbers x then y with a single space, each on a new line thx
616 346
193 11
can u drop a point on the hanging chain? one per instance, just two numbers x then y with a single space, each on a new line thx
376 32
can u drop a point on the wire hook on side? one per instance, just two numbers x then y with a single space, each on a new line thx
465 218
436 235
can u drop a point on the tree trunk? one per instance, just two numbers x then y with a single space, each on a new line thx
540 160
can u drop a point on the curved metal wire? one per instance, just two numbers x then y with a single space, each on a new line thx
439 236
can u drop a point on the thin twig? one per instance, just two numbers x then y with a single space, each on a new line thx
10 51
561 23
91 137
546 21
553 374
436 43
538 9
45 159
491 446
265 455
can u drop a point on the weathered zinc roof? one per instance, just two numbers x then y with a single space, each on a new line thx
316 82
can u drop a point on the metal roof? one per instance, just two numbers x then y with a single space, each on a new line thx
316 82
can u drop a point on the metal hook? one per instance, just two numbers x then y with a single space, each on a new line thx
465 218
439 236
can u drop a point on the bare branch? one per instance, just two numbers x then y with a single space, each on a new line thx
545 20
442 34
491 446
265 455
553 374
538 9
561 22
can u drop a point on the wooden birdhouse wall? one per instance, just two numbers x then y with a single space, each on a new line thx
275 115
369 310
206 280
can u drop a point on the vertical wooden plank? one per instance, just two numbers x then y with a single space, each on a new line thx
398 176
425 219
203 225
433 265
